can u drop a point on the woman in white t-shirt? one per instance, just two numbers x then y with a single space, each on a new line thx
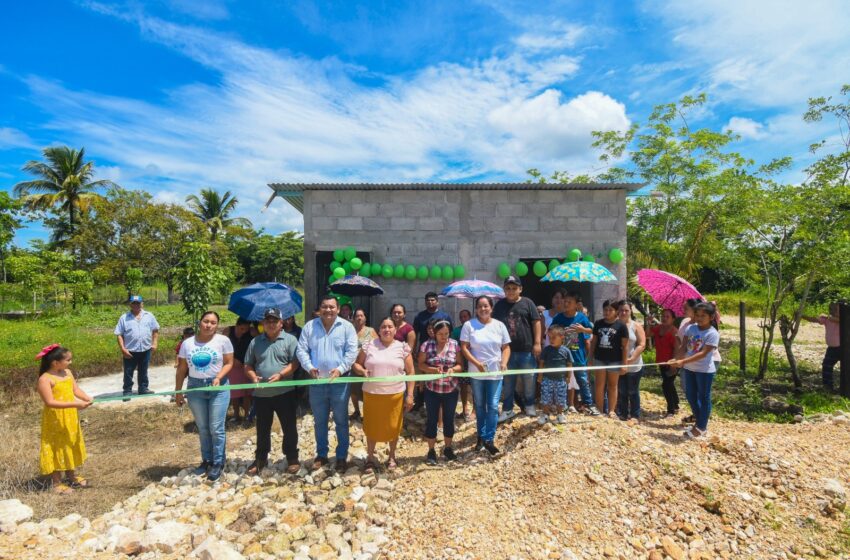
207 358
485 343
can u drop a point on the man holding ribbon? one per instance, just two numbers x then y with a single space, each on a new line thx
327 349
271 357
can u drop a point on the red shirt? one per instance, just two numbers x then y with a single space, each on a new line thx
401 334
665 344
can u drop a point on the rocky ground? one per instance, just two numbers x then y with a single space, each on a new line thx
592 488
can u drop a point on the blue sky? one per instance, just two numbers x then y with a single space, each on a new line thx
175 95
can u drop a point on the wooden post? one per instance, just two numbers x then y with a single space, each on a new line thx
742 350
844 341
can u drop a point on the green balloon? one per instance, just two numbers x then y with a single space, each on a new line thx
422 272
460 272
346 266
554 264
343 299
539 268
574 255
339 255
410 272
615 256
398 271
448 273
504 270
366 270
339 272
436 272
377 269
349 253
335 265
387 271
356 263
589 258
521 268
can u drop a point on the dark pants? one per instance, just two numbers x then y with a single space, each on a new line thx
668 386
628 395
285 407
139 360
433 401
832 357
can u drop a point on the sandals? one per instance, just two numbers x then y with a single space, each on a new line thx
256 467
79 482
62 488
392 465
293 468
370 467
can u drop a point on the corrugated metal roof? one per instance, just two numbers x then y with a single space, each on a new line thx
291 188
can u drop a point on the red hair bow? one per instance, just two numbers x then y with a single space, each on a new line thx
46 350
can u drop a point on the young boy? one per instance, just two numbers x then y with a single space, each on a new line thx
553 389
833 343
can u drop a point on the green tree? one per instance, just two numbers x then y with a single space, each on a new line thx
26 269
200 280
80 284
215 211
267 258
133 280
64 185
9 223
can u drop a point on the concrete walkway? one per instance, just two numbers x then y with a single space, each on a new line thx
160 378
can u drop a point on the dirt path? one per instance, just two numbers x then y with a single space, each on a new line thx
160 378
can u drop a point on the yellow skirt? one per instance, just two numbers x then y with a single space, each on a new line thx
382 416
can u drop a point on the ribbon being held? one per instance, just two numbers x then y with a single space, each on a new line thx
46 350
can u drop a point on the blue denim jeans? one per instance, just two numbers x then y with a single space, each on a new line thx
486 393
210 411
139 360
326 400
519 360
628 395
698 392
583 386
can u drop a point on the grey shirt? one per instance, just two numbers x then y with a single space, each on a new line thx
269 357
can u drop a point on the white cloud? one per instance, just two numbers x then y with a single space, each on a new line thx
555 35
200 9
746 128
274 117
11 138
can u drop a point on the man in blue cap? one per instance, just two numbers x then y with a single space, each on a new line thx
138 334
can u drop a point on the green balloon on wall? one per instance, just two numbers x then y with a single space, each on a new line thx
504 270
339 255
422 272
554 264
377 269
615 256
398 271
574 255
539 268
436 272
521 268
346 266
366 270
334 265
460 272
339 272
349 253
589 258
387 271
356 263
448 273
410 272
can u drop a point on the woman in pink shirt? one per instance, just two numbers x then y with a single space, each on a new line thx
384 403
833 343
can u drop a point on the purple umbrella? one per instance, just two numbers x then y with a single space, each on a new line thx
667 290
472 289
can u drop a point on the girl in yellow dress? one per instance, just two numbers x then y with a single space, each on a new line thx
62 447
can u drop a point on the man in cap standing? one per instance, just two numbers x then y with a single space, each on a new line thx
138 335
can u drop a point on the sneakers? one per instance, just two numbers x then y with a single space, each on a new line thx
593 411
449 454
562 418
506 415
572 410
542 419
479 446
530 410
201 469
126 396
431 458
491 449
215 472
146 392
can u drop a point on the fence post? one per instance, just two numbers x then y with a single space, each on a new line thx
844 341
742 350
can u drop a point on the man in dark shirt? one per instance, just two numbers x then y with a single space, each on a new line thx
420 327
521 317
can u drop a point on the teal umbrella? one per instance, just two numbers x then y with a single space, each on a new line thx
579 271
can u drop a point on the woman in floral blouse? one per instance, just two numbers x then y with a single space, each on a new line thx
440 354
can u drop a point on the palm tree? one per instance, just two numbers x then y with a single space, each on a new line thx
64 181
214 210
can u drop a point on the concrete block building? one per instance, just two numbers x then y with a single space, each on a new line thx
476 225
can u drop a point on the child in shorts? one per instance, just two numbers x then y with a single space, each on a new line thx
553 384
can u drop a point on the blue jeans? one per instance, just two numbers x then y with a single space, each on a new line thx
519 360
583 386
139 360
324 400
698 392
486 393
628 395
210 410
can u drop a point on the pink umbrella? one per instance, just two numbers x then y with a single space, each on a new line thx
667 290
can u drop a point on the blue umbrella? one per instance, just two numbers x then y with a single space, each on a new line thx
251 302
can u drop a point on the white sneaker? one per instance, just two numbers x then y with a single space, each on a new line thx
507 415
572 410
562 419
530 410
542 419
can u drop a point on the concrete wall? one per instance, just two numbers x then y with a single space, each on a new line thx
478 229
